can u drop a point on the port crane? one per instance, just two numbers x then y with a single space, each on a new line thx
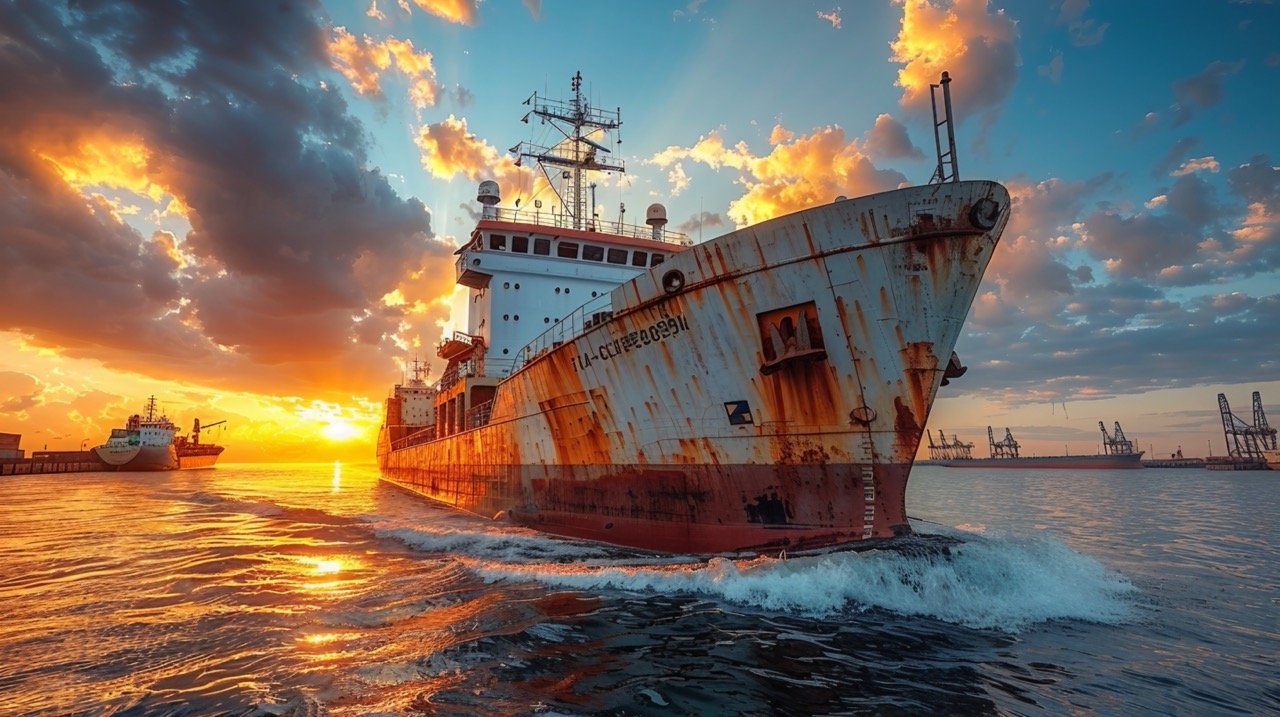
949 450
1118 445
1244 441
1006 448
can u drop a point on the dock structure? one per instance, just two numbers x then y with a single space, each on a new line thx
1006 448
14 461
1245 441
1116 445
953 450
44 462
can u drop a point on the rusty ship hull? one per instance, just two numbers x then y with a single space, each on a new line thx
682 420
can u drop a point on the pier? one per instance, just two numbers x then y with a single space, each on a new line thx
53 462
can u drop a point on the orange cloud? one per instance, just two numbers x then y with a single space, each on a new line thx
448 149
798 173
963 38
1191 166
364 61
462 12
97 158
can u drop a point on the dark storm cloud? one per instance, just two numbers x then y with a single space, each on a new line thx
293 234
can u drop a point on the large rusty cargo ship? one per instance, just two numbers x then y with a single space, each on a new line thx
762 391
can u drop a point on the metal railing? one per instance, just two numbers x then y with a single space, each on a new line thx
596 311
478 416
563 220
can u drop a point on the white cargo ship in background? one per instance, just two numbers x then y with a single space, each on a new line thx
765 390
151 443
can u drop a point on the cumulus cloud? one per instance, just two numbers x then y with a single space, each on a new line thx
461 12
364 61
888 140
965 38
1203 164
796 174
1139 246
449 149
221 112
833 17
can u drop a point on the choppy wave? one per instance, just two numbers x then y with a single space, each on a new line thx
1005 582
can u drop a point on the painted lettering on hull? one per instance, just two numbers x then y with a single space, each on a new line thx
658 331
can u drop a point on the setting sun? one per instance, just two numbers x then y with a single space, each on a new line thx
339 430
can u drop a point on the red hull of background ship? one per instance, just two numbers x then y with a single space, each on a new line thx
1125 460
159 458
670 426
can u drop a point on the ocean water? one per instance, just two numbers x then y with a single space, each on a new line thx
315 590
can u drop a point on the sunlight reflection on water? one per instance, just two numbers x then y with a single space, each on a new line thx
317 587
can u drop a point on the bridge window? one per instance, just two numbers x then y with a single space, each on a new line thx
498 242
617 256
567 250
541 247
591 252
656 259
639 258
520 244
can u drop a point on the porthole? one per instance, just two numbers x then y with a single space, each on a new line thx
594 294
516 317
506 285
566 289
505 351
557 290
517 286
506 317
546 319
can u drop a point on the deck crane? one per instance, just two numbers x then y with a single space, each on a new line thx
197 428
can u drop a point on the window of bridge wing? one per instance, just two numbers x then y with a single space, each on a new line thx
520 244
639 258
656 259
567 250
617 256
541 246
792 331
498 242
591 252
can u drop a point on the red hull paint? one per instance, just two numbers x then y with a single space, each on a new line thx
683 508
1124 461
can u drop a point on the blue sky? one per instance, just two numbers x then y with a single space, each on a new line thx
1137 279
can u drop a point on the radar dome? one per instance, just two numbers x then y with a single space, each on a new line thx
488 194
656 215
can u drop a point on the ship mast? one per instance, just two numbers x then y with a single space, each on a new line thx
577 152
